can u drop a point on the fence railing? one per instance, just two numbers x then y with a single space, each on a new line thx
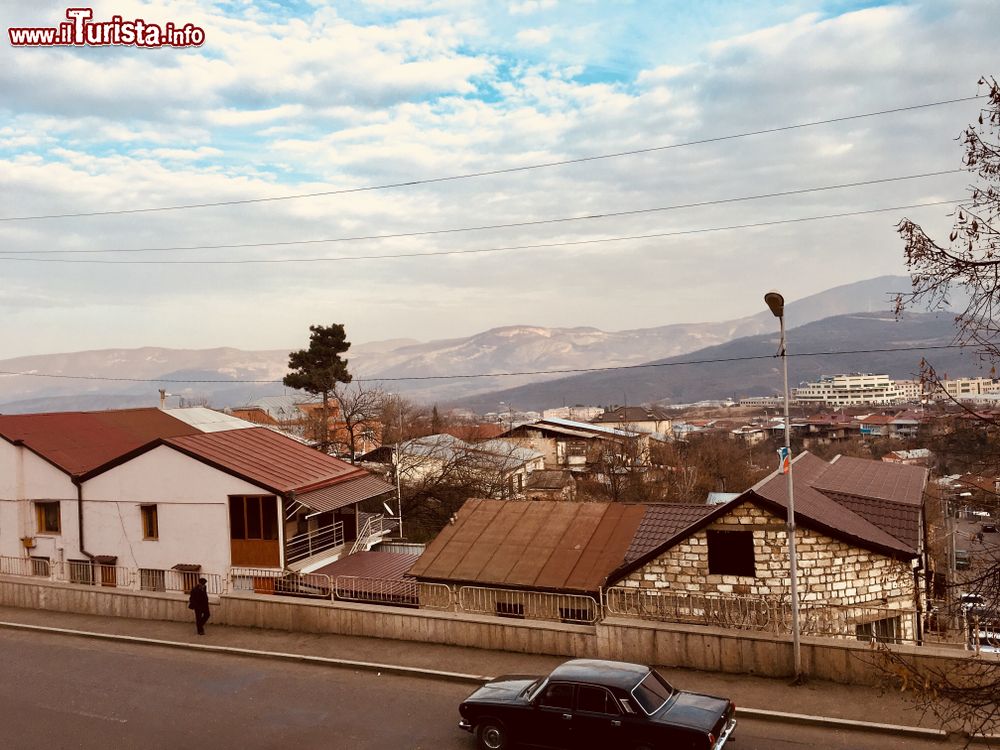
886 624
372 527
86 573
528 605
310 543
281 582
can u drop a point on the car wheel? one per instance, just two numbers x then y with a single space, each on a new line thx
491 735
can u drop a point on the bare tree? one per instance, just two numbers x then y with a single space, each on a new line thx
360 412
970 259
964 695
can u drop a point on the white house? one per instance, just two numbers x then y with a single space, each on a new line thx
88 494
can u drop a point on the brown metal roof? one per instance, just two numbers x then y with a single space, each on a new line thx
269 459
77 442
899 483
541 544
817 509
383 565
663 522
345 492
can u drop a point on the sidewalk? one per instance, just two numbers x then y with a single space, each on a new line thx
755 697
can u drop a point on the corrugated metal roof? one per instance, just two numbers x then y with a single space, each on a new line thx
812 505
384 565
345 492
887 481
545 545
267 458
587 426
78 442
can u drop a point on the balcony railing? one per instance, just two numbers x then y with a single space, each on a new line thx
311 543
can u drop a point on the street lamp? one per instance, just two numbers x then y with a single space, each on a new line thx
776 303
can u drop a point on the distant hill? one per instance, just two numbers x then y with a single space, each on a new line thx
675 380
131 377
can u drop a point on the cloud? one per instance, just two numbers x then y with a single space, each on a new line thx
280 102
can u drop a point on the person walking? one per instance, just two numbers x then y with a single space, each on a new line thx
198 601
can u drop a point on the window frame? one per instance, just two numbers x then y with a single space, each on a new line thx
737 557
265 524
42 518
149 516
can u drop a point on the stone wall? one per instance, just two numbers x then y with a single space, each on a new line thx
831 572
663 644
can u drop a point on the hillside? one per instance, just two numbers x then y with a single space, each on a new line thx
675 380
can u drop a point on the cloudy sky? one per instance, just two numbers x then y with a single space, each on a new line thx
306 97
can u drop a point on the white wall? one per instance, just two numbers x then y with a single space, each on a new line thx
24 477
192 510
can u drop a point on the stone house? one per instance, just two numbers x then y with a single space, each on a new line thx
859 546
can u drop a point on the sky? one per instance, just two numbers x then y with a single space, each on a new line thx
395 109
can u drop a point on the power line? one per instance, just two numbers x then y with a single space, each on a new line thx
490 172
571 371
478 251
509 225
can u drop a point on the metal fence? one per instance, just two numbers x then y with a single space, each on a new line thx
87 573
393 591
310 543
528 605
280 582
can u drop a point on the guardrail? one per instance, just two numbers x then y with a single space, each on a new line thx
529 605
281 582
86 573
310 543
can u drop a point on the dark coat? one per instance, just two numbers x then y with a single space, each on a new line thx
198 600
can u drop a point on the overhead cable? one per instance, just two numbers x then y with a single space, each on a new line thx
489 172
438 253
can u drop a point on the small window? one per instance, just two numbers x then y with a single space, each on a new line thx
49 521
510 609
731 553
883 631
151 579
558 695
576 615
595 700
150 524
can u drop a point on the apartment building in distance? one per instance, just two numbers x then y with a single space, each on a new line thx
857 389
962 389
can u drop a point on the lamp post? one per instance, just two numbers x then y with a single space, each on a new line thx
776 303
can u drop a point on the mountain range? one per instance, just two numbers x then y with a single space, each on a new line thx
231 377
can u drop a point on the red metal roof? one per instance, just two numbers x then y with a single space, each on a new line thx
542 544
345 492
267 458
78 442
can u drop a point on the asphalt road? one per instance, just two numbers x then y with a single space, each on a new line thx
63 692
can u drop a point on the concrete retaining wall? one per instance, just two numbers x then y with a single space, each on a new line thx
666 644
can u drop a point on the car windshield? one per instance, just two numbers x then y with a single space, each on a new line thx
652 692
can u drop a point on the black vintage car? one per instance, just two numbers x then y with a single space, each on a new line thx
588 703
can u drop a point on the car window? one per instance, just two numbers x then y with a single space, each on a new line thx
558 695
652 692
595 700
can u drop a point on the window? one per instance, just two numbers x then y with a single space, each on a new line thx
572 614
510 609
150 524
596 700
731 553
253 517
558 695
48 518
884 631
151 579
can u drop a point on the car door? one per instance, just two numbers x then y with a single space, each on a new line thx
552 726
598 721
